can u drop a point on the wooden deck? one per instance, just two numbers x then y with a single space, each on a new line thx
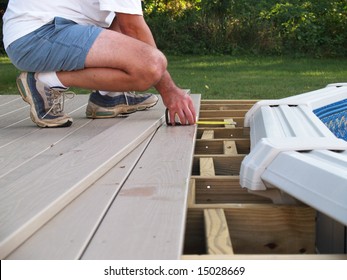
100 189
134 188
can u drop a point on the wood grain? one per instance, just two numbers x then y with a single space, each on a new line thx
66 235
229 147
25 207
207 167
147 218
207 134
217 232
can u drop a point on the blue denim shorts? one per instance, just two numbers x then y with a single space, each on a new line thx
62 45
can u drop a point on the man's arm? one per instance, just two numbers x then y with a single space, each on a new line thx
174 98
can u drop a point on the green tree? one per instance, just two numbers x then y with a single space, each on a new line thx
3 5
301 27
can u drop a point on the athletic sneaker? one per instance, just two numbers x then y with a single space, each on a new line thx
46 103
104 106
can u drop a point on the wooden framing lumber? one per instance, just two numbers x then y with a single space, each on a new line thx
191 194
207 167
222 190
226 165
216 146
229 147
222 132
222 113
231 123
258 228
217 232
207 134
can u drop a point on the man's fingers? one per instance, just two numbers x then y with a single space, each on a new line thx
182 112
183 117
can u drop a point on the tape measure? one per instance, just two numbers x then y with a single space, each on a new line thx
167 119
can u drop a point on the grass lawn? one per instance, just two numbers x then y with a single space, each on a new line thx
228 77
8 75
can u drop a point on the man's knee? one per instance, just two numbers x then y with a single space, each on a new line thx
153 71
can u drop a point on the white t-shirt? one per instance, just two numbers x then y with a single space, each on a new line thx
24 16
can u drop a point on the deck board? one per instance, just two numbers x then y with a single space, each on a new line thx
53 216
151 206
26 207
15 111
52 147
38 146
67 234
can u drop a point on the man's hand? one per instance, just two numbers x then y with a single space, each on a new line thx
180 106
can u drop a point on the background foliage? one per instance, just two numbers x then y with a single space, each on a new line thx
3 5
296 27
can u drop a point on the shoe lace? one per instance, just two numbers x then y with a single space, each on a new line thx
126 93
132 94
56 100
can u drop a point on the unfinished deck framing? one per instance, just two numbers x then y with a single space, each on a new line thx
225 221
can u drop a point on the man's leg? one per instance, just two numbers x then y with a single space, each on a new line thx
117 62
114 62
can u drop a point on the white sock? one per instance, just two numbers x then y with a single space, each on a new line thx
111 93
50 79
